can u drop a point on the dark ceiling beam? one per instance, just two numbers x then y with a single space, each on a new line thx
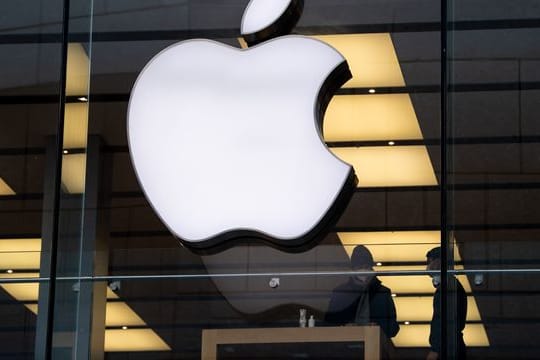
413 89
176 35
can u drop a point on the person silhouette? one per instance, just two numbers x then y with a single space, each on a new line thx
363 300
457 347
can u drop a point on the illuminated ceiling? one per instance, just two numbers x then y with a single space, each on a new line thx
413 293
20 258
388 118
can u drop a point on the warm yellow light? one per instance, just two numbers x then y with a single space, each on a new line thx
389 165
417 335
432 237
111 294
395 246
420 308
371 57
133 340
77 70
73 173
21 291
5 189
371 117
75 125
18 254
119 313
32 307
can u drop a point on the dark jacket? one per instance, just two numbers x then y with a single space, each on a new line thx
344 302
458 302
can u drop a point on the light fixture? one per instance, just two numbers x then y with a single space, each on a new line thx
20 254
391 143
417 335
394 295
77 70
124 327
371 91
73 173
120 340
419 308
75 125
371 117
371 57
407 322
118 313
75 119
392 246
379 264
5 189
10 271
378 166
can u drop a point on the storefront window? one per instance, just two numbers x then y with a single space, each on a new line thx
438 122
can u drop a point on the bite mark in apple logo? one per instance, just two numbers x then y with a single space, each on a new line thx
227 143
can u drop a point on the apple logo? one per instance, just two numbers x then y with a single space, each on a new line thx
227 143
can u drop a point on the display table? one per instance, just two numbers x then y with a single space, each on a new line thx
370 336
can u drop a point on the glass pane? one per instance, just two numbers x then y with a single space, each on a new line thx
120 262
493 106
30 73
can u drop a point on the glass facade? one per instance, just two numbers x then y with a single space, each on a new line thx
440 121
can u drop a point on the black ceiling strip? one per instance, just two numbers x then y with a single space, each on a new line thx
484 227
24 196
413 89
176 35
396 189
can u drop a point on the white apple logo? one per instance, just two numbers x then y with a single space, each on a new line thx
226 143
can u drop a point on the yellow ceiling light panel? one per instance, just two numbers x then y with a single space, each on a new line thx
432 237
32 307
417 335
420 308
389 165
475 335
19 260
133 340
408 284
371 57
14 245
409 245
73 173
118 313
18 254
75 125
371 117
77 70
111 294
393 253
416 284
5 189
21 291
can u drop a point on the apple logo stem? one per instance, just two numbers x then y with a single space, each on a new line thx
227 143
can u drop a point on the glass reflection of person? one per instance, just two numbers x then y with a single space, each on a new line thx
454 287
363 299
